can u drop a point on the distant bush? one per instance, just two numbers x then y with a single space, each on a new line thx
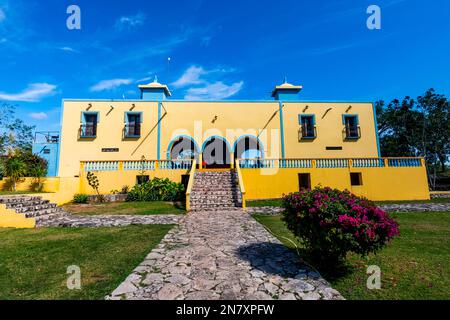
80 198
157 190
331 223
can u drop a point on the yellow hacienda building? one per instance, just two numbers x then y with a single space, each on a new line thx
274 146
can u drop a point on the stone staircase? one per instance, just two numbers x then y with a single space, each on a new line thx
27 211
215 190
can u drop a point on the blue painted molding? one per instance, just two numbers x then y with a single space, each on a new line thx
85 113
376 129
301 116
344 116
282 130
217 101
158 151
141 118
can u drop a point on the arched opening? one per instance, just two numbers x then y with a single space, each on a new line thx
216 153
183 148
248 147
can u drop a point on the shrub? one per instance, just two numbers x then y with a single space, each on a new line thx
331 223
157 190
80 198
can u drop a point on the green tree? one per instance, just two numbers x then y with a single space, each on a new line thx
14 133
15 169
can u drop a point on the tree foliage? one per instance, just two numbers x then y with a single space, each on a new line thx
416 127
14 133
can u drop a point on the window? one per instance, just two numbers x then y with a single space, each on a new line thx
352 130
308 126
133 124
356 179
89 124
304 181
142 179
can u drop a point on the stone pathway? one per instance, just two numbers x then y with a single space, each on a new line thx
78 221
223 255
404 207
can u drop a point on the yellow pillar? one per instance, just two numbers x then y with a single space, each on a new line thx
200 161
232 160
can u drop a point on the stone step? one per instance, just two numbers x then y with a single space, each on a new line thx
43 212
41 220
18 199
25 209
13 205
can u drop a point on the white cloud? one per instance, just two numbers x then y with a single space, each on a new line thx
2 15
110 84
190 77
69 49
38 115
214 91
130 22
33 93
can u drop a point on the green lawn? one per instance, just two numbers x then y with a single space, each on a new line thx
126 208
33 262
415 265
278 202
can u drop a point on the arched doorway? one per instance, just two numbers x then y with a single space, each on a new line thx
216 153
248 147
183 148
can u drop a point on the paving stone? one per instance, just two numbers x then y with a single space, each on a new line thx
211 256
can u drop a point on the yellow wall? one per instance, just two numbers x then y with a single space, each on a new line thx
379 184
109 134
201 120
329 131
26 184
115 180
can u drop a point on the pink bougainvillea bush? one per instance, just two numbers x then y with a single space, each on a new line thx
331 222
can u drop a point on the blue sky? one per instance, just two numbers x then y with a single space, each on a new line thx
218 50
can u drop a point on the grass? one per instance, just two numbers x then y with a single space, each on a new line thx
126 208
278 202
414 266
33 262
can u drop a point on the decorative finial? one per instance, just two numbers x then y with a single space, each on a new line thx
156 79
285 80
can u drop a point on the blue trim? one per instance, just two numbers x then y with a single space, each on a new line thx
169 149
376 129
301 116
253 137
350 116
158 151
216 101
140 113
282 130
84 113
216 137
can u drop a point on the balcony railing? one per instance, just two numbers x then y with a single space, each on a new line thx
138 165
352 132
88 130
333 163
307 132
132 130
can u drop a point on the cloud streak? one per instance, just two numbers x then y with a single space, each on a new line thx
33 93
130 22
38 115
214 91
110 84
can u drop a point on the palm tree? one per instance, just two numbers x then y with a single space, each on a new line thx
15 169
